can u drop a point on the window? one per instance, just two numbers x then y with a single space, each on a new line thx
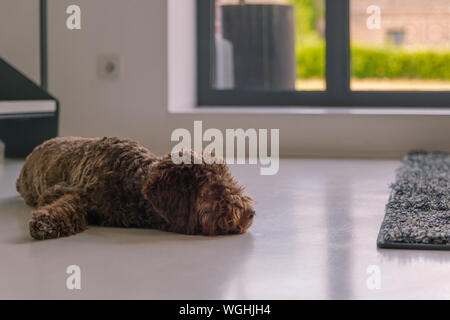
324 53
396 37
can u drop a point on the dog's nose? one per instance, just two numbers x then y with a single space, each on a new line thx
249 214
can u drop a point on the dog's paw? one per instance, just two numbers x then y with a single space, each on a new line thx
41 227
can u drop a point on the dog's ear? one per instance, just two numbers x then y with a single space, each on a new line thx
171 189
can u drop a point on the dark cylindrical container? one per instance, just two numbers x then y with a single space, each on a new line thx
263 38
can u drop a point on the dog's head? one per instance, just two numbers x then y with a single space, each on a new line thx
198 198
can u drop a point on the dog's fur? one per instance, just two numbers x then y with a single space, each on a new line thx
74 182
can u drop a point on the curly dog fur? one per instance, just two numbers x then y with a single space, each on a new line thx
116 182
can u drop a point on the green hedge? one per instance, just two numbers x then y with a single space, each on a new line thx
372 62
311 62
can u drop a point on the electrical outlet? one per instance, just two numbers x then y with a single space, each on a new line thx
108 66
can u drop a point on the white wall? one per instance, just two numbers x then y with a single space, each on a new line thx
130 106
19 35
136 104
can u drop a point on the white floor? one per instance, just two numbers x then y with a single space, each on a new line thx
314 236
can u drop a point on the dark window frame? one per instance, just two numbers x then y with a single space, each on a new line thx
337 94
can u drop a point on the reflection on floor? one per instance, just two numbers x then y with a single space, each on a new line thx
314 237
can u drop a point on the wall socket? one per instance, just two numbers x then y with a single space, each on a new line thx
108 66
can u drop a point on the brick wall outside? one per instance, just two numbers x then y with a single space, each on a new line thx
422 22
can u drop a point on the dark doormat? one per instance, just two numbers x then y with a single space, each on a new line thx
418 211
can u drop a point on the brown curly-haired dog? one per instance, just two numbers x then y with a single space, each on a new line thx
74 182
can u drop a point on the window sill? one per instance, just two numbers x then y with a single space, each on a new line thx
313 111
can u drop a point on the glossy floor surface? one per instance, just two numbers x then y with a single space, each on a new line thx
314 236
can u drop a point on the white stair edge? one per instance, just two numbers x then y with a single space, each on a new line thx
27 106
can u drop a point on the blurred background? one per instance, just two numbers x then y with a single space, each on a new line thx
409 50
153 89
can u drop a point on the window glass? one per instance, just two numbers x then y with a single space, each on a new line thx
270 45
400 45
